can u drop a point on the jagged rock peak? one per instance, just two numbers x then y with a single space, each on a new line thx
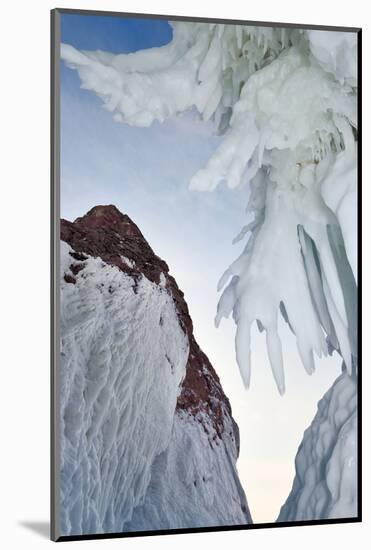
110 217
107 233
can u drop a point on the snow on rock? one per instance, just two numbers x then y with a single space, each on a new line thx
203 484
326 463
147 436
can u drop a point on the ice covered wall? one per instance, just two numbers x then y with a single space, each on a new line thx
120 372
325 484
285 102
204 467
147 436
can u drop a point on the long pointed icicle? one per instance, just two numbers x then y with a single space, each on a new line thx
243 352
274 348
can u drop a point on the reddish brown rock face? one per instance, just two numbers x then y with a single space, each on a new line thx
107 233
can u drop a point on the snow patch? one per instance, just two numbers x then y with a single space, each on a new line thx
162 280
129 263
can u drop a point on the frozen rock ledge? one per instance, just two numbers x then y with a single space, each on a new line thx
148 440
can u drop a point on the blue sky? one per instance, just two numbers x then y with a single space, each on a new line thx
145 172
113 34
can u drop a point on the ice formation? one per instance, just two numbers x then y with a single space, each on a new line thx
206 491
114 376
147 440
284 101
326 462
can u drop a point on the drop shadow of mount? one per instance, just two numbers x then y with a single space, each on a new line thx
41 528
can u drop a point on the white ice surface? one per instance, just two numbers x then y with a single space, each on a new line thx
325 483
120 374
207 491
336 52
123 357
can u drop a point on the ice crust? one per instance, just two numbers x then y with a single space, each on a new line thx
326 463
207 491
285 102
128 460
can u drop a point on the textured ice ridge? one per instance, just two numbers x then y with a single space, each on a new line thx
207 491
325 484
129 460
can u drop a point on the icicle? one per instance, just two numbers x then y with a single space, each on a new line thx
244 230
315 284
243 353
226 302
275 357
331 275
235 268
287 113
220 28
306 356
239 36
340 328
347 281
211 62
285 316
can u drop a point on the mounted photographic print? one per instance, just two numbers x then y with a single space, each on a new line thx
205 371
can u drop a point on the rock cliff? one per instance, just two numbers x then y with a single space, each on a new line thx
148 440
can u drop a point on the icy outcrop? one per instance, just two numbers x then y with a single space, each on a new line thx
285 102
202 485
147 436
325 485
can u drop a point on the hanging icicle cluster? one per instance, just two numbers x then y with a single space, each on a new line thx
285 102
